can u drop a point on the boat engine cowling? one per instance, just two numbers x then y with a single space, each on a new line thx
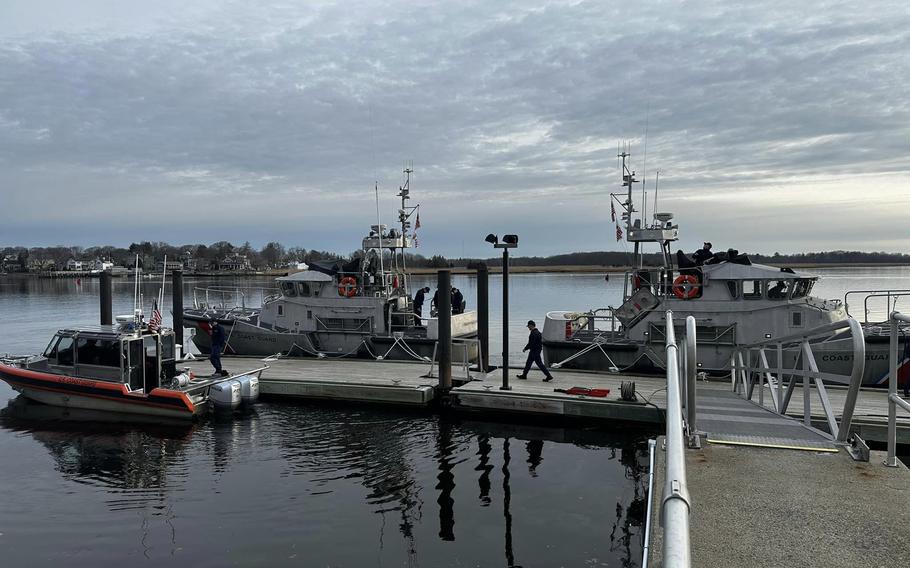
226 395
249 388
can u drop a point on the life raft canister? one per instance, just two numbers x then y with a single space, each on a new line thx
347 287
686 286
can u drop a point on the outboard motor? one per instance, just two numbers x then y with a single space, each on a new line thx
249 388
226 395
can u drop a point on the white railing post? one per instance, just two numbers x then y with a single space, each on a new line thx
675 506
892 393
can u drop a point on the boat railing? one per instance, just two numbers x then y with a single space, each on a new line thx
588 322
767 364
227 297
891 298
894 400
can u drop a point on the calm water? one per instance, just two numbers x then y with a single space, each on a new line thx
306 485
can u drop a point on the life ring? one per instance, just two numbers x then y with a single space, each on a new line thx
686 286
347 287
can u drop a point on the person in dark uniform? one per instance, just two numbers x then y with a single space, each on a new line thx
434 303
703 254
218 343
457 301
534 347
419 299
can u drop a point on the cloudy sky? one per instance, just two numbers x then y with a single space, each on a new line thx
778 126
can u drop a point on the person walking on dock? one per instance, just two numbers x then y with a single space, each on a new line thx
218 343
534 348
419 299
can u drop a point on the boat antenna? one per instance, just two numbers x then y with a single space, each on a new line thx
656 182
379 232
644 170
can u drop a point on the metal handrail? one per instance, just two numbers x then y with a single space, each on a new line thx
874 293
742 370
894 400
675 506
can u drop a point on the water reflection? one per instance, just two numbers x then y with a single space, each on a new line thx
503 493
134 462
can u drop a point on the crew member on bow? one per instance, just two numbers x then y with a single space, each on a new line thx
703 254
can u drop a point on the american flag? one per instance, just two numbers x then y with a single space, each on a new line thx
155 320
417 224
618 233
613 211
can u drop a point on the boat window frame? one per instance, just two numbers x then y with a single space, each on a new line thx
112 343
788 288
734 289
753 295
288 289
303 289
53 358
807 282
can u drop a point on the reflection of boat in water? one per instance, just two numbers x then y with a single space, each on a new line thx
734 302
361 307
127 368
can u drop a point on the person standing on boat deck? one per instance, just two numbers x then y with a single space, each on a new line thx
218 343
434 303
457 301
534 347
419 299
703 254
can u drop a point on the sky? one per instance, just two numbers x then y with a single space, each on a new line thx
775 126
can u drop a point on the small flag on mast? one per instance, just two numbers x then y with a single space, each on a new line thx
417 223
613 211
155 320
618 233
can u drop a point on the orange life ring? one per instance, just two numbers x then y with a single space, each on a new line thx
347 287
686 286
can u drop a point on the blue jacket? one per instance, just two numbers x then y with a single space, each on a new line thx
535 342
218 336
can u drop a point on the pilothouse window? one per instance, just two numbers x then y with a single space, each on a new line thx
62 353
733 288
288 289
802 288
752 289
780 290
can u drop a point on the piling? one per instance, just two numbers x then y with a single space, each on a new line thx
483 316
177 306
107 312
444 318
505 320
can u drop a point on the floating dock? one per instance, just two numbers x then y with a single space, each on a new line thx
413 384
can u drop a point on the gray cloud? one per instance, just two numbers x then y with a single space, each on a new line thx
276 120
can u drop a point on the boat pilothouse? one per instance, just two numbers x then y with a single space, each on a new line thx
123 368
358 307
734 301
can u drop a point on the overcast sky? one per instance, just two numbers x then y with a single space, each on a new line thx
778 126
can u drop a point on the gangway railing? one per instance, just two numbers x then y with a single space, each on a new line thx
751 366
675 505
894 400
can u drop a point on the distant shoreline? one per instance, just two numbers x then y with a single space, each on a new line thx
460 270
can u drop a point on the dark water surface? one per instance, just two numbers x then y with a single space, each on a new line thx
306 485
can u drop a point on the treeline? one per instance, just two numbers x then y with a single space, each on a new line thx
276 255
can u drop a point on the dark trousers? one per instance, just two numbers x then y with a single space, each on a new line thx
215 357
534 357
418 309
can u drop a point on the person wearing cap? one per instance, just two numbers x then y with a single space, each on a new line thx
534 347
703 254
419 298
218 343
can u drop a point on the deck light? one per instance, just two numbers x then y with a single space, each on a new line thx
492 239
